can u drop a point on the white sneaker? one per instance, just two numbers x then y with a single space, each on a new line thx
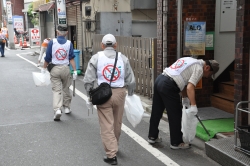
67 110
152 140
57 115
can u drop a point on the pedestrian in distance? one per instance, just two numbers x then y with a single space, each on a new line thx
4 31
44 46
59 54
182 76
2 43
110 113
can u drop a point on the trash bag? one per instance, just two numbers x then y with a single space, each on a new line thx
188 125
41 79
134 110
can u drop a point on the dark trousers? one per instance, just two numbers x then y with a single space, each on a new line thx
166 95
2 45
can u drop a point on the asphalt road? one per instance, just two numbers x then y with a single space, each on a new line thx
30 137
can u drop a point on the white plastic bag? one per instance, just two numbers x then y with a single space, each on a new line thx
41 79
188 125
134 110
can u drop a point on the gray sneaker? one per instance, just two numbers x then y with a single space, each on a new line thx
152 140
57 115
180 146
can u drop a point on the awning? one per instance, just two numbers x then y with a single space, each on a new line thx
47 6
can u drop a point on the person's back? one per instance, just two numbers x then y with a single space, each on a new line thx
59 54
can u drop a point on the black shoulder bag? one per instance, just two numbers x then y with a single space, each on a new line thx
50 66
103 92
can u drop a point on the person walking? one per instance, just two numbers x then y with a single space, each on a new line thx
182 76
44 46
59 54
4 31
110 113
2 43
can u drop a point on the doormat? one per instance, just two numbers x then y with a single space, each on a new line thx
206 113
214 126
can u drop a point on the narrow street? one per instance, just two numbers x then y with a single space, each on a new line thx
30 137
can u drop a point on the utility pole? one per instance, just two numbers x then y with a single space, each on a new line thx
61 12
2 14
10 24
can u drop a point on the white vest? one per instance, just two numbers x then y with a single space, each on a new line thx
4 31
60 53
180 65
105 67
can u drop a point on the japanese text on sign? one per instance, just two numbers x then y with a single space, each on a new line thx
34 35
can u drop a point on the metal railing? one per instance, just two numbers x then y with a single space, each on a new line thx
140 52
236 130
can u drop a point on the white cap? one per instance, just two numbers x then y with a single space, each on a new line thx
108 40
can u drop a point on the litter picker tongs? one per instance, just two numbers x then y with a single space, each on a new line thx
202 125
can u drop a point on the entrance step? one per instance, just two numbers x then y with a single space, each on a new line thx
223 102
222 151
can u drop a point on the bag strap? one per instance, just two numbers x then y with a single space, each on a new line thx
113 68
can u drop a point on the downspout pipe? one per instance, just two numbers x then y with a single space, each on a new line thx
82 37
179 27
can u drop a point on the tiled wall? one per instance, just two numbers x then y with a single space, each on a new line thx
17 6
193 10
241 76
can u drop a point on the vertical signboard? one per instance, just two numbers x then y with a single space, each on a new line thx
61 12
194 38
9 12
18 23
35 36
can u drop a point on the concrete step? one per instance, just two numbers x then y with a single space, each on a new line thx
222 151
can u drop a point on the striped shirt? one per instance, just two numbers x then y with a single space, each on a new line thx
192 74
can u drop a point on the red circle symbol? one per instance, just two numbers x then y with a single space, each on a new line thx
107 72
61 54
177 64
35 31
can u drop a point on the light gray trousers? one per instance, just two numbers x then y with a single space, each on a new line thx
61 80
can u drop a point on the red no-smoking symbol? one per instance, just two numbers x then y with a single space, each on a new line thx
61 54
107 72
35 31
177 64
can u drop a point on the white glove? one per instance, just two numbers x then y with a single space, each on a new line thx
193 109
43 70
89 104
186 102
74 75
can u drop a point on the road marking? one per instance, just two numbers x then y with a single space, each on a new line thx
26 59
155 152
